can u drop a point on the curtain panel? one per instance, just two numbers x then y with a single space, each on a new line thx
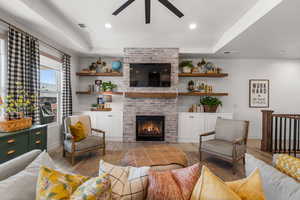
66 87
23 69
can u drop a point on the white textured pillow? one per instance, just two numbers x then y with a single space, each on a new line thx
128 183
22 185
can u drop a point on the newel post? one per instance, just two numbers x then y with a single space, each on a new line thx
266 142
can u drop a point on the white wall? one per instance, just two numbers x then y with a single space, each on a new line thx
284 76
85 101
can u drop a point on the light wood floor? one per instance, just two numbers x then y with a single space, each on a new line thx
88 164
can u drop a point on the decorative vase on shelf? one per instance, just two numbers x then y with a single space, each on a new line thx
116 66
186 70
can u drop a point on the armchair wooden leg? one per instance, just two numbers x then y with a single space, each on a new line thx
64 153
103 151
200 152
244 160
72 159
234 167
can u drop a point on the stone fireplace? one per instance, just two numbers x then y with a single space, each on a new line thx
150 128
135 107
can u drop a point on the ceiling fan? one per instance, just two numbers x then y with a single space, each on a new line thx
166 3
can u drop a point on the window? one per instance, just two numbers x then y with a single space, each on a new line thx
49 90
2 67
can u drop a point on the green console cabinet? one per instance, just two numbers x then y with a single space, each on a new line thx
17 143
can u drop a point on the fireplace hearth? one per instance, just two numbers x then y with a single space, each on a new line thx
150 128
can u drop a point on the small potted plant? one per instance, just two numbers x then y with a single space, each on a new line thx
186 66
108 86
210 104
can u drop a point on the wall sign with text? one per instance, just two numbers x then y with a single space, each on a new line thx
259 93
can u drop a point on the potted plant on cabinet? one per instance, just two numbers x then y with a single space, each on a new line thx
16 105
186 66
210 104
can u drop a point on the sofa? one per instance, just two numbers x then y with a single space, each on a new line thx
277 186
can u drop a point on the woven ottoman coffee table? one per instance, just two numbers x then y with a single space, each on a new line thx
158 157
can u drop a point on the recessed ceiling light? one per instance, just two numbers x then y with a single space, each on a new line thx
193 26
108 25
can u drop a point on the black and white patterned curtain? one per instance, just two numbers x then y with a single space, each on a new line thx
24 69
66 87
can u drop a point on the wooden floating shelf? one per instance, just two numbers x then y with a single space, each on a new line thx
99 93
154 95
99 74
201 94
210 75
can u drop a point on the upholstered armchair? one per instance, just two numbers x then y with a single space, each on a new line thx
95 139
230 142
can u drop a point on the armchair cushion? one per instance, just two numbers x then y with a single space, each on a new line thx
230 130
222 148
89 142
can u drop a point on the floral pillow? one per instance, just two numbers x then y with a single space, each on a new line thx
56 185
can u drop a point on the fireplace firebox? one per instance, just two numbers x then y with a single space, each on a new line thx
150 128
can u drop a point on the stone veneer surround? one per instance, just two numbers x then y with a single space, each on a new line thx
147 106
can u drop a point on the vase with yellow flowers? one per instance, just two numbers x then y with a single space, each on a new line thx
17 106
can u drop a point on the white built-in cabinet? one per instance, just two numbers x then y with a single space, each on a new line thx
191 125
110 122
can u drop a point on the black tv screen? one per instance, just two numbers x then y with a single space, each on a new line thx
150 75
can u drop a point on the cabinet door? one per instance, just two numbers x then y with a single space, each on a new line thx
117 127
103 121
190 126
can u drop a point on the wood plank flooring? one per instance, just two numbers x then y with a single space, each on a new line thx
88 164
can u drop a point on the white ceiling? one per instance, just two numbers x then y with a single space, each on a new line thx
251 28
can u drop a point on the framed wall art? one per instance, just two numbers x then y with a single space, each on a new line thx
259 93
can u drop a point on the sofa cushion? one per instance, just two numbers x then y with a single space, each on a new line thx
25 181
174 184
56 185
126 182
210 187
89 142
230 130
277 186
249 188
288 165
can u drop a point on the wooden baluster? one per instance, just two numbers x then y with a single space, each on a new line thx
276 130
295 137
298 149
284 139
290 135
280 134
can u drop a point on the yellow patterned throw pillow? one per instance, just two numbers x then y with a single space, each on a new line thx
288 165
55 185
249 188
210 187
94 189
78 131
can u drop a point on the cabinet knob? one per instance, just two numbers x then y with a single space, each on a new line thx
192 117
11 141
11 152
109 115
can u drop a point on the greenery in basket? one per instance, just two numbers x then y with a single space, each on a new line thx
186 63
108 86
210 101
19 102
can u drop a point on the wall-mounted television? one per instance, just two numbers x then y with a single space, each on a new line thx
150 75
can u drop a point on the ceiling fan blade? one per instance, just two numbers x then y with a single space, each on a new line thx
172 8
125 5
148 11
